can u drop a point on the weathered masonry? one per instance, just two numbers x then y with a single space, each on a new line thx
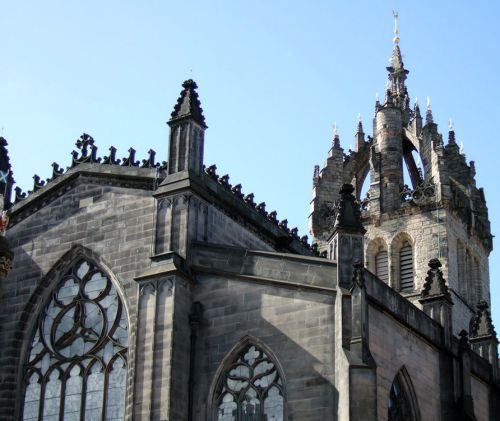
134 290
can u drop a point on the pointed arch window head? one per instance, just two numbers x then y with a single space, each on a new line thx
402 404
77 362
250 389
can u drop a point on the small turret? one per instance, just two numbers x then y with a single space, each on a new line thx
187 131
346 242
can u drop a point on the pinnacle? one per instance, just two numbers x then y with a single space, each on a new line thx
397 59
188 105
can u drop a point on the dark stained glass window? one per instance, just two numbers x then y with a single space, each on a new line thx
77 364
251 389
400 407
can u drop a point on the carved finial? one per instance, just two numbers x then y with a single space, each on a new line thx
462 149
451 127
348 211
377 97
396 30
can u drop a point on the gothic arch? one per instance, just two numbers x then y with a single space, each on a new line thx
35 315
402 404
402 248
272 380
375 259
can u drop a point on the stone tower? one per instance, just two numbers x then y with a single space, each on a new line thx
442 214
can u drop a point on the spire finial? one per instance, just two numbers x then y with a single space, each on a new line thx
428 103
396 31
451 126
335 130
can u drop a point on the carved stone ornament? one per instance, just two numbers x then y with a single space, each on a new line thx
348 211
435 284
481 324
424 193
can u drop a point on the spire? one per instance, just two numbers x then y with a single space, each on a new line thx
397 73
360 134
187 132
451 132
336 138
188 105
428 114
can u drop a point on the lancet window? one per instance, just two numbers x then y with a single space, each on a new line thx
250 389
77 364
402 405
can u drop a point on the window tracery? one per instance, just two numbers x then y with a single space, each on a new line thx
251 389
77 362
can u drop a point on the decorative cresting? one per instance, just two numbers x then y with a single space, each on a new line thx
423 194
250 389
402 404
77 363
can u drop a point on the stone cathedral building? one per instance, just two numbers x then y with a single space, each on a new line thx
134 290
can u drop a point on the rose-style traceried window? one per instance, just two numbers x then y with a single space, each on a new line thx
77 364
251 389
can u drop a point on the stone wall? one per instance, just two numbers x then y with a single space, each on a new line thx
393 346
114 223
480 396
297 326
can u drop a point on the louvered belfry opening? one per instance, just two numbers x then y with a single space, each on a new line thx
406 267
382 266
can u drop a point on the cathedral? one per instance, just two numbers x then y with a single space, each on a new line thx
132 289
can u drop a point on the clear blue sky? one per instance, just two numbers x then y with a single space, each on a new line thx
273 76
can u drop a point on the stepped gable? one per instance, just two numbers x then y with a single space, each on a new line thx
188 105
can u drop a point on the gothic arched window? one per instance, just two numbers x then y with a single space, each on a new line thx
250 389
402 405
77 364
406 267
